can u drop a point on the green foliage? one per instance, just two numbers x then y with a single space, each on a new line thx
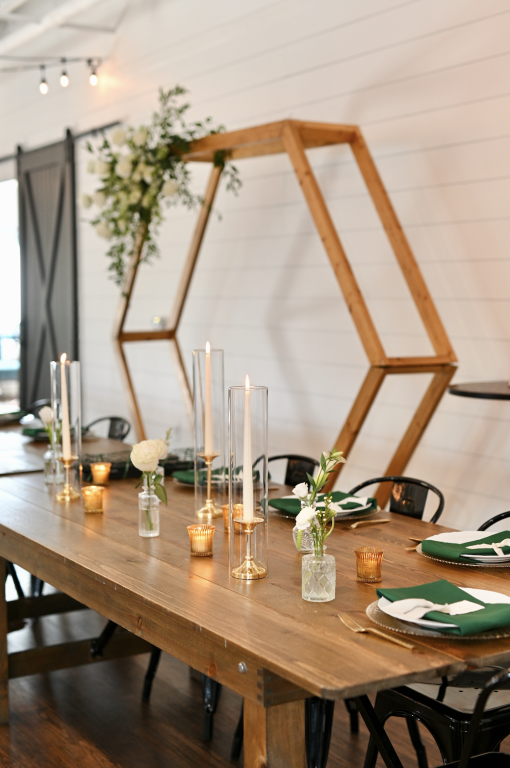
135 182
323 515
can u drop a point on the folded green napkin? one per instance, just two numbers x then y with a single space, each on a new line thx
443 592
187 476
446 551
293 506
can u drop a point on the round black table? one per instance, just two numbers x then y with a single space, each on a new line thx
489 390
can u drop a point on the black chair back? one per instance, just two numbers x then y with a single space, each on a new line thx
118 427
493 520
408 495
297 468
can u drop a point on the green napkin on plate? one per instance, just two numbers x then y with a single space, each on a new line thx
187 476
443 592
448 551
292 506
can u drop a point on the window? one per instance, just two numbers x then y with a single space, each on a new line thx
10 297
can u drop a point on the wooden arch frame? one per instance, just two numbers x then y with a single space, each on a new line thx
294 137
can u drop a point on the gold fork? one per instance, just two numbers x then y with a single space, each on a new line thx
355 627
371 522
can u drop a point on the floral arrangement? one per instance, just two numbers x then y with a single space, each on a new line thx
46 416
146 456
141 167
316 516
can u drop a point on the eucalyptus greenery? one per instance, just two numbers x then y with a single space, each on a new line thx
139 168
317 519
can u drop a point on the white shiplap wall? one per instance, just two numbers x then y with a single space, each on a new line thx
428 82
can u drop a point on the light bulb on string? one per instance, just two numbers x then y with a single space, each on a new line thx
93 71
64 79
43 85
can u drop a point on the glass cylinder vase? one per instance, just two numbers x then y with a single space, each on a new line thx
53 473
148 514
318 578
248 488
209 434
66 424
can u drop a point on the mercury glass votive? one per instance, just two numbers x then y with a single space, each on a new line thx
225 509
238 512
93 497
100 472
368 564
201 540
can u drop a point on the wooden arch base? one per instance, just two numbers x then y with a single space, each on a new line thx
294 137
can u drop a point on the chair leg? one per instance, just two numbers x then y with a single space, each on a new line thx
151 671
11 571
211 691
36 586
352 709
414 733
318 726
237 741
97 646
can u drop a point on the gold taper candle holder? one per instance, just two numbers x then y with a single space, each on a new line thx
249 569
67 493
100 472
93 498
209 510
369 564
201 540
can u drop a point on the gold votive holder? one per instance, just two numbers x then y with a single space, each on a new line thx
368 564
226 509
93 497
201 539
100 472
238 512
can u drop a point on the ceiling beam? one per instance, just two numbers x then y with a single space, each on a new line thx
55 18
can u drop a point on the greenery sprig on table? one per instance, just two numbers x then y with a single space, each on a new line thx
136 181
317 519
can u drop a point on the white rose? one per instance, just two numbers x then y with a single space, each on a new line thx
91 166
301 490
145 455
124 167
170 188
46 415
103 230
119 137
147 200
304 518
102 167
148 173
85 201
99 198
140 136
135 196
163 445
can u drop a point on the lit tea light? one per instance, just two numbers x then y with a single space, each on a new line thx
100 472
201 540
369 564
93 497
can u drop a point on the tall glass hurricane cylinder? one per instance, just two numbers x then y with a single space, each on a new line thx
209 421
66 407
247 428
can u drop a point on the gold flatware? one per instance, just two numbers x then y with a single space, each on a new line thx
412 538
371 522
355 627
411 549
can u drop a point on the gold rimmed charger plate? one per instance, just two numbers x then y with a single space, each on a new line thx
462 565
382 619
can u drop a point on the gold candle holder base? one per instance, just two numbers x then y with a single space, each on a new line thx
67 493
209 510
248 570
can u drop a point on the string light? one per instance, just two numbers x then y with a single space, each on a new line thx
43 85
93 72
64 79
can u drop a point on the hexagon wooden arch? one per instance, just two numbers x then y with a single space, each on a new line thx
294 137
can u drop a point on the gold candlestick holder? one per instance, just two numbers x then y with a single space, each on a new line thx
249 569
209 510
67 493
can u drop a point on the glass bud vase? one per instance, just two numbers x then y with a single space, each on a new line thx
318 578
148 514
52 468
306 537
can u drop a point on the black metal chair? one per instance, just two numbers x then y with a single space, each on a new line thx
297 467
446 707
36 406
118 428
408 495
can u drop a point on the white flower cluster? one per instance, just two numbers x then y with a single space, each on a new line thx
146 455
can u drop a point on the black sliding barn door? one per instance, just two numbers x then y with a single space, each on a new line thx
49 305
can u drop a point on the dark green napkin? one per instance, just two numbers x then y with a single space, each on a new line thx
293 506
442 592
445 551
187 476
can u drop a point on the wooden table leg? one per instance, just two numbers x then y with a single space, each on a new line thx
274 737
4 665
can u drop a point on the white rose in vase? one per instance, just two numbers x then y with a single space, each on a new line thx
145 455
46 415
304 518
163 445
301 491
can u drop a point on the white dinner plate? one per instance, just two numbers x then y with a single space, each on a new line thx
460 537
346 512
485 595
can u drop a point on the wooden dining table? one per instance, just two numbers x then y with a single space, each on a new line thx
261 639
